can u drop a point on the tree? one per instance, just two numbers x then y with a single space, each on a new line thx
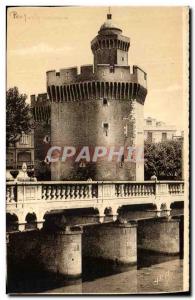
163 159
18 115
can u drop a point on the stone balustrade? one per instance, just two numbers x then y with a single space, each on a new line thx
40 198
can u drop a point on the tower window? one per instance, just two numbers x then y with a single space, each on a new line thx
46 139
125 130
122 161
105 102
122 58
111 69
67 76
105 128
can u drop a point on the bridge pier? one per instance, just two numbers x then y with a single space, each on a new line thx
61 252
58 252
113 242
159 235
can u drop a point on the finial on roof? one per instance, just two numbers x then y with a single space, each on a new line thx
109 15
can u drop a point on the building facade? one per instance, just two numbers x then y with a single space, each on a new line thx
102 106
157 131
21 152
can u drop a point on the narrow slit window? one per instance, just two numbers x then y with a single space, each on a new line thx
105 128
105 101
111 69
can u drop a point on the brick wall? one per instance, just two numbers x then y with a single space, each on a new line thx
80 124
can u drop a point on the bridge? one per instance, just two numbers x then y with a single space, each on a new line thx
60 250
40 198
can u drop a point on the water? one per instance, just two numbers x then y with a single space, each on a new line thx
154 273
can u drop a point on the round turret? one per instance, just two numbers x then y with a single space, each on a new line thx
108 27
110 46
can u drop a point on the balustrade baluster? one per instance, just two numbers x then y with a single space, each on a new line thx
80 191
125 190
178 188
169 188
133 190
8 194
48 192
43 195
67 191
142 189
74 191
95 191
137 190
150 189
58 190
84 191
62 194
145 190
172 189
130 190
118 190
71 191
90 191
12 193
53 192
175 189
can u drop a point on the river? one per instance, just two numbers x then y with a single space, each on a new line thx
154 273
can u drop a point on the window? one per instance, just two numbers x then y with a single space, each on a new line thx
24 140
105 128
67 76
111 69
82 164
46 139
105 101
164 136
149 137
122 161
24 157
125 130
149 122
122 58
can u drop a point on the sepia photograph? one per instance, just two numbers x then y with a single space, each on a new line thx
97 150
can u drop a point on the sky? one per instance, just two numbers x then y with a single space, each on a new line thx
50 38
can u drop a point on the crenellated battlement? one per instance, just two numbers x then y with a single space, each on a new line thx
38 100
40 106
113 82
103 72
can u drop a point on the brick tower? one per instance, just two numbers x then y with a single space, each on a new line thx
102 106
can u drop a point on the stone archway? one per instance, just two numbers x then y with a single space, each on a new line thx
31 221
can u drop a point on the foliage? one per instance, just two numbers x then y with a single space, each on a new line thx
18 115
163 159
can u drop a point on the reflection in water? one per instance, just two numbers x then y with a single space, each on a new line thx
154 273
